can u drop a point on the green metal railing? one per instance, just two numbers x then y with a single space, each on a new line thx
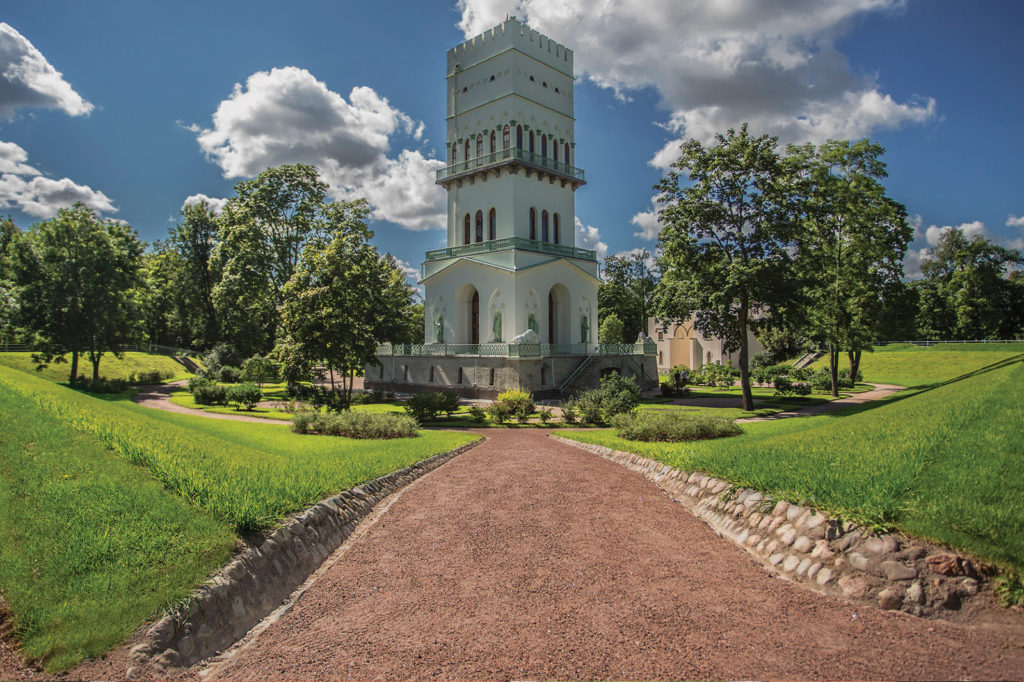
515 350
511 243
511 155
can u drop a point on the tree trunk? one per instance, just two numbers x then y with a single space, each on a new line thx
74 367
854 365
748 396
330 370
833 367
95 359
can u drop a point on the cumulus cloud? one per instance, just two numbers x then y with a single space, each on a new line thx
718 63
973 229
27 79
286 115
912 263
648 223
216 205
932 234
588 237
1014 221
407 269
24 188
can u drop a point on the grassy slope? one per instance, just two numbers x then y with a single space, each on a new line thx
81 530
110 366
944 462
907 365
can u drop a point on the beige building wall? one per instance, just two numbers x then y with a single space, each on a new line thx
682 345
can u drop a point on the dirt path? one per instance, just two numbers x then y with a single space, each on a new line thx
159 397
528 558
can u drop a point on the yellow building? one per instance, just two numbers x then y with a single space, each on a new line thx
682 345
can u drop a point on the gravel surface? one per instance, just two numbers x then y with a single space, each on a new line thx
527 558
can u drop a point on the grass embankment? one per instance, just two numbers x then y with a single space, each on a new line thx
93 545
944 461
110 366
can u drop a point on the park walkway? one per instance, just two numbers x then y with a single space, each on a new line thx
526 558
158 397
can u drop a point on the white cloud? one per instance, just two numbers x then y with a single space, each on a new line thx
24 188
215 204
648 223
27 79
651 260
973 229
912 263
1014 221
407 269
286 115
588 237
718 63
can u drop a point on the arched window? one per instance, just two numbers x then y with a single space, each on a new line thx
479 144
493 137
558 231
544 226
566 149
533 223
505 138
492 224
467 151
554 149
479 226
465 230
519 137
543 145
455 153
531 141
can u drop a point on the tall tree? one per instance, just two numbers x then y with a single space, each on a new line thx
78 276
851 244
9 234
724 244
263 230
630 281
195 239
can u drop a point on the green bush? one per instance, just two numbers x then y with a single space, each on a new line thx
589 406
672 426
669 389
245 394
570 411
784 386
425 407
448 402
210 394
499 412
545 415
259 369
144 377
197 381
518 401
373 425
477 415
229 375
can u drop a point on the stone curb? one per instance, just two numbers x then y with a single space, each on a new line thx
842 559
254 583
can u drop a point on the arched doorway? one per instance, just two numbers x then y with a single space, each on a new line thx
466 325
474 318
558 315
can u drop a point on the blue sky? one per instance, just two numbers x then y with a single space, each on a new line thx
135 106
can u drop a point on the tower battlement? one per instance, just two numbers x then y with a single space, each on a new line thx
509 34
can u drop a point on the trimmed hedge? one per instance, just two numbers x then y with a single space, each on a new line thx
672 426
379 425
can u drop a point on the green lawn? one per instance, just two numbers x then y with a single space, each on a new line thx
110 511
944 462
183 398
110 366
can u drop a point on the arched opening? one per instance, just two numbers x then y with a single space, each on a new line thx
466 323
544 375
505 139
519 137
431 379
455 153
558 315
558 231
460 375
493 138
467 151
479 144
465 230
554 150
566 156
491 378
544 226
531 141
543 145
479 226
533 223
492 224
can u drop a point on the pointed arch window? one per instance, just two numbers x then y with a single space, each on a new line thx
479 144
492 224
467 151
455 153
494 136
531 141
519 137
558 229
465 230
543 145
554 149
544 226
505 138
479 226
566 156
533 223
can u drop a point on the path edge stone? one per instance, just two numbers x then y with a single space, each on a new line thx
255 582
889 571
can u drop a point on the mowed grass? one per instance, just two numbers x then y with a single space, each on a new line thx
92 545
944 462
110 366
183 398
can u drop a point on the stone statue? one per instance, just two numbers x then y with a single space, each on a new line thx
532 324
584 330
529 336
497 328
439 329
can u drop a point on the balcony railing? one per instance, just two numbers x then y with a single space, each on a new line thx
507 156
511 243
516 350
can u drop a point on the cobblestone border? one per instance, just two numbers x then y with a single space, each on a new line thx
253 584
842 559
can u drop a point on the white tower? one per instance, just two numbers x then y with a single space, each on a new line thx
511 262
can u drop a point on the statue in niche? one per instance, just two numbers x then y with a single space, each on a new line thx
439 329
584 330
532 323
497 328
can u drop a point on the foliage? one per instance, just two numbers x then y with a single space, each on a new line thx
784 386
727 230
247 395
129 367
1009 588
545 415
570 411
672 426
615 395
519 402
380 425
9 306
713 374
147 377
499 412
611 330
671 389
259 368
198 381
628 292
229 374
210 394
425 407
477 415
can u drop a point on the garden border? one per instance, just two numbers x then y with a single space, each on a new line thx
254 583
890 571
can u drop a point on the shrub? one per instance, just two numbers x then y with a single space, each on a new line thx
499 412
355 424
784 386
153 376
713 374
210 394
477 415
245 394
448 402
672 426
801 373
821 380
518 401
426 406
259 369
101 385
589 406
618 394
229 375
197 381
611 330
545 415
570 411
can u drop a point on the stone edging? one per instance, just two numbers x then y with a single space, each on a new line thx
254 583
843 559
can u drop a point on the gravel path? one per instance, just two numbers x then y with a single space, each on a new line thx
159 397
528 558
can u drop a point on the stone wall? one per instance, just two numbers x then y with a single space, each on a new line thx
257 581
842 559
